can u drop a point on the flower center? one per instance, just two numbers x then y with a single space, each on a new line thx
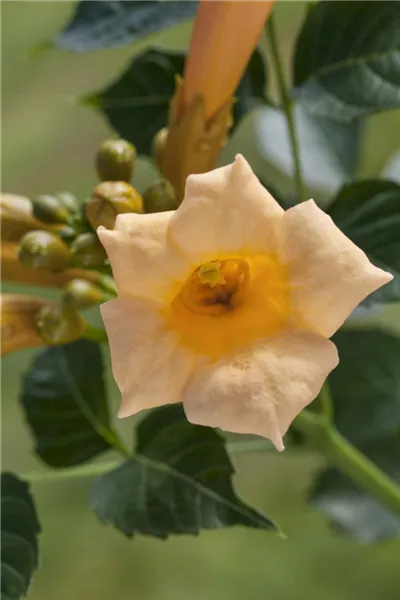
216 287
230 302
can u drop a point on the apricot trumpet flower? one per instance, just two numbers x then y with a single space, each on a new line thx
225 33
224 36
228 303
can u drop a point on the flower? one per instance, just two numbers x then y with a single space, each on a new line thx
227 303
225 32
224 35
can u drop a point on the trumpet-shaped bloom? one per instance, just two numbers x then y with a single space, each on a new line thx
228 303
224 35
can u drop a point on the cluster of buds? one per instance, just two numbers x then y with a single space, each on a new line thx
51 240
115 195
55 235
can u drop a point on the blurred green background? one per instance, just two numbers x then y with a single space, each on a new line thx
48 142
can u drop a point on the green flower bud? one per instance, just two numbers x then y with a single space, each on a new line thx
160 197
87 251
59 324
81 294
43 250
158 147
68 200
67 233
110 199
49 209
114 160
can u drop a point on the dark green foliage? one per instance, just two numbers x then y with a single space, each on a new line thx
19 530
109 23
352 510
346 59
366 393
178 482
329 150
63 393
136 104
251 92
366 385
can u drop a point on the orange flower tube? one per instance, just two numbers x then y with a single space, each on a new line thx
30 322
18 322
12 270
225 33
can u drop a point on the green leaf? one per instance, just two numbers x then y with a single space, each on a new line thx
329 150
19 530
136 104
347 59
110 23
350 509
365 389
366 385
65 403
178 482
368 212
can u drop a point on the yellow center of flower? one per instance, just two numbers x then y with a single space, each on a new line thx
229 303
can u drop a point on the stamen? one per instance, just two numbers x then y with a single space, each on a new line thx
216 287
247 298
210 274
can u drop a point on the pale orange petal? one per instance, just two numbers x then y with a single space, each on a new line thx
148 365
329 274
261 389
144 261
225 210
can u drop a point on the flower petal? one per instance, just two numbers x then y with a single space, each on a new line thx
148 365
144 261
225 210
330 275
261 389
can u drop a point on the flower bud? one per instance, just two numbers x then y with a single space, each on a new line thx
160 197
81 294
69 201
43 250
87 251
49 209
15 205
110 199
16 216
114 160
18 322
67 234
158 147
59 324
